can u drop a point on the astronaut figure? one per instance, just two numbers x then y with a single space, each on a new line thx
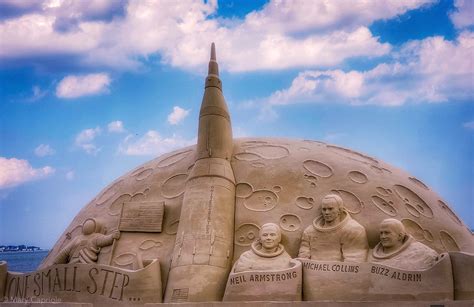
85 248
334 236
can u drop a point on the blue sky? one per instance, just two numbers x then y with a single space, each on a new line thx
91 89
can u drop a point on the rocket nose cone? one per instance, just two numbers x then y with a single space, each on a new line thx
213 52
213 66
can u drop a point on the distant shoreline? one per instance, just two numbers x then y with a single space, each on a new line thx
24 251
19 248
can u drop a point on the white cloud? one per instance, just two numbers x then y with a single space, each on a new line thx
432 70
85 140
35 34
116 127
37 94
152 143
303 15
463 16
87 135
280 51
469 125
81 10
70 175
72 10
44 150
77 86
282 34
178 115
23 5
14 172
320 85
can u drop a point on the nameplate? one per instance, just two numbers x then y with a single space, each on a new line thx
275 285
324 280
88 283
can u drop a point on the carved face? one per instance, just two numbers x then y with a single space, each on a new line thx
330 211
269 237
389 237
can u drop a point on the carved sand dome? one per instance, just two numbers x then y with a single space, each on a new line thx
283 181
280 181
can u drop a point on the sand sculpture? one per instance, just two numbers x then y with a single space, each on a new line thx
334 236
400 250
266 253
85 248
176 225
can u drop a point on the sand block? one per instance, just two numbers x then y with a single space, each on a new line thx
278 285
88 283
374 282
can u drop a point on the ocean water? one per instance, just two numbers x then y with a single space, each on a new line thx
23 261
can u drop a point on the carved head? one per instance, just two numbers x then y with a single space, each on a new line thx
270 236
392 233
88 227
331 207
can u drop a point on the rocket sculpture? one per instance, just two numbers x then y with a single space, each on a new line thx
202 255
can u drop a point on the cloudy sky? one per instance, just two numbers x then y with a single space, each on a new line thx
91 89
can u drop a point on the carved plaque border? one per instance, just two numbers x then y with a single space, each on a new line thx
142 216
